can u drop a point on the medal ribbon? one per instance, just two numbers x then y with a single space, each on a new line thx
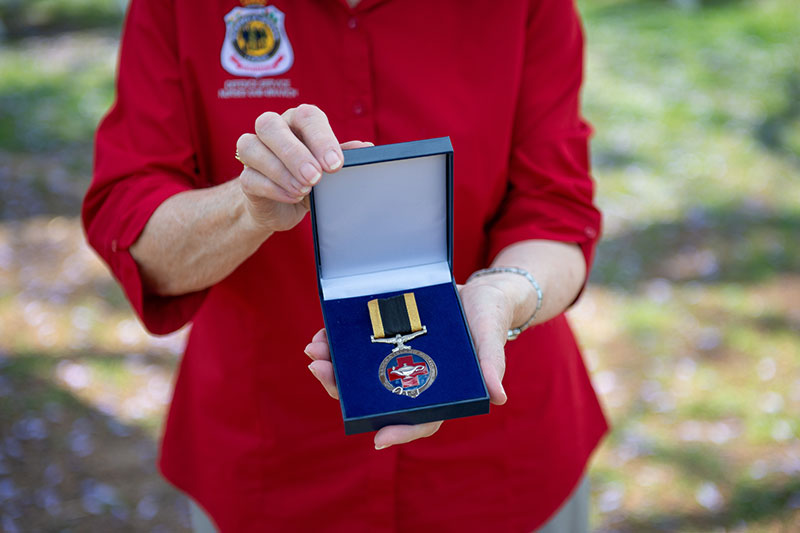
397 315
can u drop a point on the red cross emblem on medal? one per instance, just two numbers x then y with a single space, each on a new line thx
408 371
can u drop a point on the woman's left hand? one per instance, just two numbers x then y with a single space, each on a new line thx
489 312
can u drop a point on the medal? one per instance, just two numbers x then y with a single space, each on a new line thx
395 320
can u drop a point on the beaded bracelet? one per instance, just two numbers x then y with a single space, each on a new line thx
513 333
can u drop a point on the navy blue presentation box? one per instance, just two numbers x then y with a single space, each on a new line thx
383 226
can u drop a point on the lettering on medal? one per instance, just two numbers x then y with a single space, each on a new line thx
403 392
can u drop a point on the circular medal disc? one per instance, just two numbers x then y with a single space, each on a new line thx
407 372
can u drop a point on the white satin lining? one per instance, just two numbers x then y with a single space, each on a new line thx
383 227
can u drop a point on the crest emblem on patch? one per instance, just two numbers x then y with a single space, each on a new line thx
256 43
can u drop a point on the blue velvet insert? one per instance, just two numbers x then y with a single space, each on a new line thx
357 359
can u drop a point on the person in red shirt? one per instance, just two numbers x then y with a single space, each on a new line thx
192 235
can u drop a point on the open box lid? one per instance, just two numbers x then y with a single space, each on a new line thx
384 221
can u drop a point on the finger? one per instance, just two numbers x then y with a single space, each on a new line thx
318 348
311 125
349 145
323 371
254 154
255 184
391 435
491 354
274 132
320 336
490 343
318 351
494 382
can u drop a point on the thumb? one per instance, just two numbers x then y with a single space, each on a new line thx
492 357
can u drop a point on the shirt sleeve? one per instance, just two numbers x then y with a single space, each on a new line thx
550 190
143 155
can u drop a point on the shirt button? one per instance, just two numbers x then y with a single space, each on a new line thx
352 23
358 109
590 232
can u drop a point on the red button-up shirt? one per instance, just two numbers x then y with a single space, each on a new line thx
251 435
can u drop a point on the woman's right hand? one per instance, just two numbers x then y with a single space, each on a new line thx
196 238
283 159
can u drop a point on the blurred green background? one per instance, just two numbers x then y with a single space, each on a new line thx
691 324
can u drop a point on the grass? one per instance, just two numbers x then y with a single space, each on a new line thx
690 324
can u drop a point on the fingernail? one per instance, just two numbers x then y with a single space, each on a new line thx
310 173
314 372
382 446
333 160
305 351
305 189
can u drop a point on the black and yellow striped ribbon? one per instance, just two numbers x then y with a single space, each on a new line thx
397 315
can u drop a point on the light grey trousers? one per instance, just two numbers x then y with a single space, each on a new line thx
572 517
573 514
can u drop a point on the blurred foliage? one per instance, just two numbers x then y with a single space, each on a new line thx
23 18
51 102
53 91
694 106
691 324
